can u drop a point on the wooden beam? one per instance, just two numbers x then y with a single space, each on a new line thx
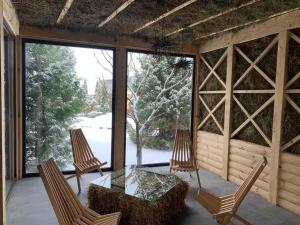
279 105
254 91
120 109
115 13
288 20
79 37
165 15
228 109
213 17
290 143
293 80
64 11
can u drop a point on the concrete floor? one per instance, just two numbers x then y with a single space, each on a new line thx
29 204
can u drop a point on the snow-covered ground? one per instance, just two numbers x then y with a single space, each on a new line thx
98 130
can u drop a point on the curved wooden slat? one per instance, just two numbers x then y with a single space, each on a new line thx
67 207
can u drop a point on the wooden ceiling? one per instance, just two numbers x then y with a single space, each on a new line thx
177 21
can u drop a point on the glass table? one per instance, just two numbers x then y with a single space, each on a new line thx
143 197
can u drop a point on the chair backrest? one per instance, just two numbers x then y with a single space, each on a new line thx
248 183
65 203
80 147
182 150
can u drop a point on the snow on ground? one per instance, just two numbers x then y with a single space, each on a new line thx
98 130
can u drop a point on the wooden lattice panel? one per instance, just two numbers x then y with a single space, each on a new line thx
212 91
292 97
245 91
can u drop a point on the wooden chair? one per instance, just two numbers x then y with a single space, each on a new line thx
183 158
84 159
224 208
67 207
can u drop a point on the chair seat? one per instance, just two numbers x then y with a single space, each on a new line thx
89 165
183 166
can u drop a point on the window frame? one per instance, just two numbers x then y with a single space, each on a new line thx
24 41
151 52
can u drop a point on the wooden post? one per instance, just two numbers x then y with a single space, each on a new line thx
120 108
2 152
227 112
281 76
196 103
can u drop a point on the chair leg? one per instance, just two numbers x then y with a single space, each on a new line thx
198 178
78 180
100 171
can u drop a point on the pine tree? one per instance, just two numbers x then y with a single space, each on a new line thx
54 97
102 96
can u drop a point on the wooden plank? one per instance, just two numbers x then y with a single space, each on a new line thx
64 11
120 107
289 20
80 37
228 109
254 91
116 12
290 206
293 80
265 175
183 5
291 178
251 119
295 37
210 155
293 169
253 64
209 135
281 76
213 17
285 185
212 70
293 91
212 92
290 143
210 168
251 147
290 158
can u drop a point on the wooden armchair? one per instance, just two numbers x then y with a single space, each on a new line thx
67 207
224 208
183 158
84 159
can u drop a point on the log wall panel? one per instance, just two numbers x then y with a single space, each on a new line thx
210 151
289 182
243 157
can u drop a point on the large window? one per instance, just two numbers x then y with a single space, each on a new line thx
159 100
66 87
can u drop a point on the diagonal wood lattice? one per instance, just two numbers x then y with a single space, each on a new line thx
289 100
212 73
254 65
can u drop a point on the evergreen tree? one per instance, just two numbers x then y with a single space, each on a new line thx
54 97
102 96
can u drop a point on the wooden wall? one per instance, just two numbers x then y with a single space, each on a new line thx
222 147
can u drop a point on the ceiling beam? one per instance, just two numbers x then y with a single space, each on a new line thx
213 17
64 11
115 13
245 24
165 15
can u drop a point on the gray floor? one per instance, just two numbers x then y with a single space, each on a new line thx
29 204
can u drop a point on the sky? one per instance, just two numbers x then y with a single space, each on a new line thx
87 67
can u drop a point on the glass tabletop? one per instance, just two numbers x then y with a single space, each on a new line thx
138 182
